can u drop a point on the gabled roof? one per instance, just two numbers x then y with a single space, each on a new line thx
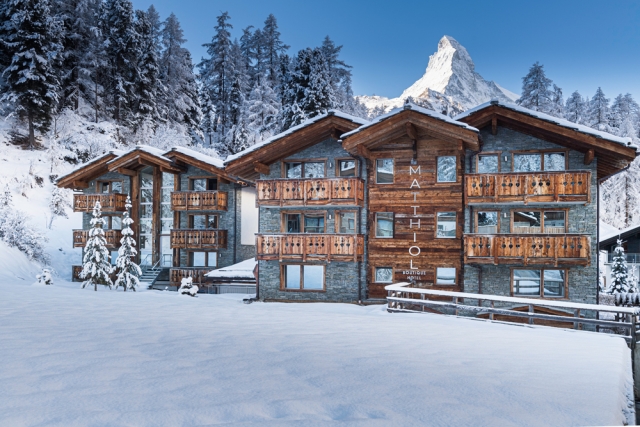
291 141
612 237
141 156
80 176
397 122
613 152
183 155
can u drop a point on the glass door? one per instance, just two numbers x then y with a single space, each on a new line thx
146 216
166 220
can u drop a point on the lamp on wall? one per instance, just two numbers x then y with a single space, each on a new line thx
506 158
330 164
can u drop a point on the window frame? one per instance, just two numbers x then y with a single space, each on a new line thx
373 273
283 278
393 225
436 225
342 159
488 153
283 168
318 213
435 275
338 221
190 221
542 211
110 182
207 177
206 259
438 182
541 153
108 221
393 174
476 224
541 295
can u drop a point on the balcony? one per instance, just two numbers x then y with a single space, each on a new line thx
528 187
532 249
197 273
109 202
310 191
199 200
205 239
305 247
113 237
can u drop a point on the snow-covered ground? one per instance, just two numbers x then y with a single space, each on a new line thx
74 357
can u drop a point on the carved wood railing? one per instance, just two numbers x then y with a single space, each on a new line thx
528 187
310 191
112 237
297 246
110 202
199 200
197 273
199 239
529 249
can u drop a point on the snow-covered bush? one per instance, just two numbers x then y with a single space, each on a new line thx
128 271
187 287
16 232
96 267
60 201
45 277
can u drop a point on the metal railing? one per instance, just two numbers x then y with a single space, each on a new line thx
633 258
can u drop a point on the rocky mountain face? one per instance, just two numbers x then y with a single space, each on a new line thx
449 85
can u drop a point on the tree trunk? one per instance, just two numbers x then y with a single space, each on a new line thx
95 286
32 136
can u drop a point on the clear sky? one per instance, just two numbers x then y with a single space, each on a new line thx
582 44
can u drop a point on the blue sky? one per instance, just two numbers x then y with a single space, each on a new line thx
582 44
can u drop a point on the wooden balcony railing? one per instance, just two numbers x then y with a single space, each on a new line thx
197 273
113 237
199 239
529 249
310 191
528 187
339 247
199 200
110 202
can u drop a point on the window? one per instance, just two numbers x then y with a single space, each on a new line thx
112 222
203 259
114 257
304 222
384 171
447 169
487 222
446 225
203 221
292 222
488 163
309 169
535 162
384 224
539 221
346 167
203 184
539 283
445 276
384 274
346 222
303 277
313 224
109 187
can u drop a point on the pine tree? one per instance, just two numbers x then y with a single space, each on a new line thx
320 96
96 267
32 41
575 109
598 113
146 80
273 48
262 110
633 280
536 94
128 271
557 102
59 202
618 271
187 287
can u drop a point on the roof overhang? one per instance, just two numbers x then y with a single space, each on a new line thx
129 163
612 156
181 158
79 178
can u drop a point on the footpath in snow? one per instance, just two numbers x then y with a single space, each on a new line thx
75 357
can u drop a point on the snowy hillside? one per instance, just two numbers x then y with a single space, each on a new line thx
449 82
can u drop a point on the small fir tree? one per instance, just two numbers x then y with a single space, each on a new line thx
128 271
45 278
633 280
187 287
5 197
59 202
96 267
619 271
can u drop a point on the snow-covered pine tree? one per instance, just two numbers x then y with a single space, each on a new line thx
272 49
96 267
557 102
187 287
536 92
575 109
262 109
59 202
45 278
33 42
623 109
618 271
146 79
6 199
598 113
239 136
156 27
127 270
320 96
633 280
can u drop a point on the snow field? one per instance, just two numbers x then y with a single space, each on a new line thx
76 357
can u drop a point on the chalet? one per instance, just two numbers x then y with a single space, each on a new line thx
499 200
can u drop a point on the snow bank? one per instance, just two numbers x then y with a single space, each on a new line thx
241 270
75 357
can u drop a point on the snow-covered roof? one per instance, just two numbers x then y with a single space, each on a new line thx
241 270
147 149
413 107
607 231
615 232
199 156
546 117
293 129
117 153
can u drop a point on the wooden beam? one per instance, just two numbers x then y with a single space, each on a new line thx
411 131
494 125
80 184
335 134
125 171
364 151
588 156
261 168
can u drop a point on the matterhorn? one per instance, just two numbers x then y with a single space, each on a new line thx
449 85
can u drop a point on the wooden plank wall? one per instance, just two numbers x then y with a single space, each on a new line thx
401 252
